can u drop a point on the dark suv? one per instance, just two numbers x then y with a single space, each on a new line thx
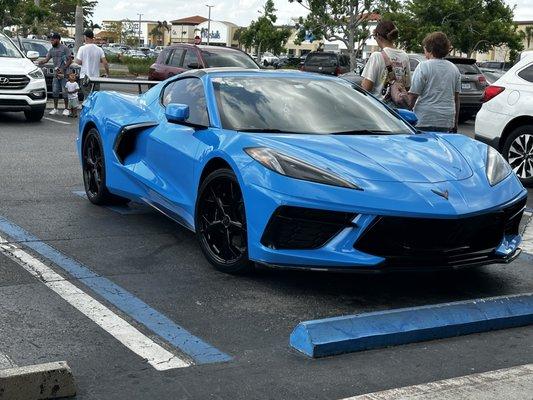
326 63
176 59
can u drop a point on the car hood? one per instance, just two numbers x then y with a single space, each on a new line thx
16 66
421 158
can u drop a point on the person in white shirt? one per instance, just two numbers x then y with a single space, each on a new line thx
89 57
72 88
375 73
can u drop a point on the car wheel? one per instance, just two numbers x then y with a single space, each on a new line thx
34 115
93 165
221 223
518 151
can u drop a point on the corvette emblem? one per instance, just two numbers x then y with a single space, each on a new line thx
4 80
444 194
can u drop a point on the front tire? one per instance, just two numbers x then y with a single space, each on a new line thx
35 114
221 223
518 151
94 175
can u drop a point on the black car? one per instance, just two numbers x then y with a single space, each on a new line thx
326 63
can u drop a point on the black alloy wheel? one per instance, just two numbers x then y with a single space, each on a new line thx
518 151
221 223
93 164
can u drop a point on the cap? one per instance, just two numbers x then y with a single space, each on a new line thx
55 35
88 33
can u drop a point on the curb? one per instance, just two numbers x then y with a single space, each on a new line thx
42 381
331 336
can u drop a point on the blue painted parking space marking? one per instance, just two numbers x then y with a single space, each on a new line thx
130 209
200 351
331 336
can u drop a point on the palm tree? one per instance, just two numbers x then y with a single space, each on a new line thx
159 31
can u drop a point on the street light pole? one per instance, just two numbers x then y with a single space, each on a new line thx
209 23
140 15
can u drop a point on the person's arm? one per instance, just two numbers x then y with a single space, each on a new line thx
69 57
412 97
46 59
106 65
78 56
367 84
417 85
457 107
370 72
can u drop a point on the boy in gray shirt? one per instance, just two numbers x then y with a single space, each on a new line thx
435 87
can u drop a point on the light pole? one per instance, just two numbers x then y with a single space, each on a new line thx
140 15
209 23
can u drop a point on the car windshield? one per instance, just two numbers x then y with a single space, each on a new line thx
321 59
8 49
301 105
40 47
468 69
228 58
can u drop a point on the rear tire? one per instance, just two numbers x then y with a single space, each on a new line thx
94 175
34 115
518 151
220 221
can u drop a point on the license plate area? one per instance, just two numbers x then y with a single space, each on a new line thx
466 86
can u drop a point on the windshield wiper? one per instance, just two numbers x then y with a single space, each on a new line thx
363 132
265 130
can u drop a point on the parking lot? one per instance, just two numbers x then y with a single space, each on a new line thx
231 332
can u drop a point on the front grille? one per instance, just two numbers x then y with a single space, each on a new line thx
412 242
303 228
13 102
13 82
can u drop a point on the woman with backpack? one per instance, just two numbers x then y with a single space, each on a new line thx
436 85
387 75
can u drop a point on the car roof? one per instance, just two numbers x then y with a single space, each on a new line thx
202 47
237 71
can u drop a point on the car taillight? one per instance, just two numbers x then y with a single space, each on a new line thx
302 67
337 71
491 92
482 79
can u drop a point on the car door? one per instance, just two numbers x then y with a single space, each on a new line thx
170 149
174 64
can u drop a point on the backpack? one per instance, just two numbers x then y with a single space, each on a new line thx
394 90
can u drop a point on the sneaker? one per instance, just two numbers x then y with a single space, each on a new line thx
66 112
53 112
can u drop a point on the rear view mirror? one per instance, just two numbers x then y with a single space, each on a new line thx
408 116
177 112
32 55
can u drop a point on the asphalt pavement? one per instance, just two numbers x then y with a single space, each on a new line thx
150 260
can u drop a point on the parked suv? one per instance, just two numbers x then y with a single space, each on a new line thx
22 84
326 63
176 59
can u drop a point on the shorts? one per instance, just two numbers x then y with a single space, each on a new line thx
58 86
73 103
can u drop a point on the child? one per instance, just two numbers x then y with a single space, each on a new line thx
72 90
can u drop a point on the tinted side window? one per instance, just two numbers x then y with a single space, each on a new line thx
189 91
175 58
527 73
190 58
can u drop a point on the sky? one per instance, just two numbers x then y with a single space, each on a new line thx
240 12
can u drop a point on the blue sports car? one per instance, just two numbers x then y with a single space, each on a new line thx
301 171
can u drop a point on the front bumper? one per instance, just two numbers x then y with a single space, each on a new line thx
341 251
32 97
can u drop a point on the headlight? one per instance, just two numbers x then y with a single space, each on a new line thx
496 167
294 168
36 74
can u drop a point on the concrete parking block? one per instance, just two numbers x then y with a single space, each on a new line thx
37 382
331 336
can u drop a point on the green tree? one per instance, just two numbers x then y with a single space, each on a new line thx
263 34
528 35
343 20
159 31
471 25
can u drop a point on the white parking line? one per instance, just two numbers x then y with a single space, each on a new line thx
527 237
508 383
55 120
121 330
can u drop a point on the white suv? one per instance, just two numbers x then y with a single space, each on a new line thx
22 84
505 120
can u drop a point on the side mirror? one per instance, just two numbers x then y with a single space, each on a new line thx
32 55
407 116
177 112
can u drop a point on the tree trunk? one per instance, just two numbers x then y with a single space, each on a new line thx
78 36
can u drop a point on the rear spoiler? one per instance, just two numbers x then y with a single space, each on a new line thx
92 82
